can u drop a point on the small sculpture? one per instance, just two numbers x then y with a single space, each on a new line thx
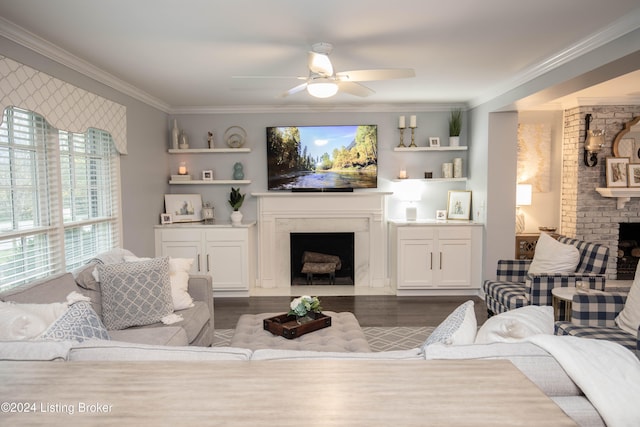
210 139
237 171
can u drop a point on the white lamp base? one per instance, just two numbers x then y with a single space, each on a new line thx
412 213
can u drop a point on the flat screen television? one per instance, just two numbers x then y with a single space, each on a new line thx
322 157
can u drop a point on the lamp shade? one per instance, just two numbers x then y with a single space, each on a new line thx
322 88
523 195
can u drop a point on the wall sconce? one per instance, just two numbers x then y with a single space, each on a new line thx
593 143
523 198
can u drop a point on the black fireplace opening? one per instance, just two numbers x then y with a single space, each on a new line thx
628 250
322 258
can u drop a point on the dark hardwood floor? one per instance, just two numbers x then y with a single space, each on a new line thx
369 310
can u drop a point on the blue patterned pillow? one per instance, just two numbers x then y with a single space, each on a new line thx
459 328
135 293
79 323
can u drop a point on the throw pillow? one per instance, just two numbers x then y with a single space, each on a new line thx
629 318
135 293
179 269
79 323
27 321
517 324
552 256
457 329
85 279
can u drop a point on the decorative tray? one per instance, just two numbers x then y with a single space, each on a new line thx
287 326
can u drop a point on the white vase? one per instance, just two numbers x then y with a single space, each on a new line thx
454 141
447 170
175 134
457 167
236 218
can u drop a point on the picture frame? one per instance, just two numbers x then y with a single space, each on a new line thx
441 215
616 171
166 218
207 175
434 141
633 174
459 205
184 207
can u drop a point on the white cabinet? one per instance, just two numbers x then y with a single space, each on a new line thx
222 251
436 257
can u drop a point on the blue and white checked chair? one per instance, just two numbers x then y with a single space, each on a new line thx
593 316
514 287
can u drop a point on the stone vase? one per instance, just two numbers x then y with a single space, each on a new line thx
236 218
454 141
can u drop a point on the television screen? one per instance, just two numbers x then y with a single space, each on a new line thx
322 157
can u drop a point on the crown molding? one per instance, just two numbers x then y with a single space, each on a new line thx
617 29
39 45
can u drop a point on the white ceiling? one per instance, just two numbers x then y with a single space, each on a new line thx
179 55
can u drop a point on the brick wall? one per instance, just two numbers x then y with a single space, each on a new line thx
585 214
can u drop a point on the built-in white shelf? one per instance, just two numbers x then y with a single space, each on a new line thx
211 182
447 148
209 150
623 195
431 179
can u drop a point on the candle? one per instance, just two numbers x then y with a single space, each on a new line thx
412 121
403 174
401 124
182 169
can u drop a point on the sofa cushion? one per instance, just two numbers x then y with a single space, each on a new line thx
135 293
155 334
277 354
552 256
458 328
78 323
34 350
580 410
51 289
514 325
120 351
629 317
85 278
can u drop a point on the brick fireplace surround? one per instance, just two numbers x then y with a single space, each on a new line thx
586 215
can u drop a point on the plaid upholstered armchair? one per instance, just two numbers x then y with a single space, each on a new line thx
514 287
593 316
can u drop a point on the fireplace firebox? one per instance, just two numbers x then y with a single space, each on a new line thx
628 250
322 258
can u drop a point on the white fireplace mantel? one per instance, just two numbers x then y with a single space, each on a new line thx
363 213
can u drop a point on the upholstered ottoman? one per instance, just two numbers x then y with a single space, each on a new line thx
344 335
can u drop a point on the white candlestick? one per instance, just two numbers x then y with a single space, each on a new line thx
412 121
401 124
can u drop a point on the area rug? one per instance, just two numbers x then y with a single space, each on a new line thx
379 338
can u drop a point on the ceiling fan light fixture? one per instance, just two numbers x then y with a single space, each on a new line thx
322 89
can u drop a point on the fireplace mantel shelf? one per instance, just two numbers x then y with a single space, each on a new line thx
623 195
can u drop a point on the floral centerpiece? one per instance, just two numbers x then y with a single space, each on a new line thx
304 307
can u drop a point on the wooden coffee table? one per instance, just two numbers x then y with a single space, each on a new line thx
327 393
344 335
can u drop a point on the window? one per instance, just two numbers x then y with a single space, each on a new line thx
59 197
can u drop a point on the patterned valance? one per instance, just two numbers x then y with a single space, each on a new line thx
63 105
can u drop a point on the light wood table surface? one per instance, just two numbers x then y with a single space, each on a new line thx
310 393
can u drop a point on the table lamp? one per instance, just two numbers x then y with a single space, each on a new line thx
410 192
523 198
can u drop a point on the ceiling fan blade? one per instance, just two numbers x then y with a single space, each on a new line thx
354 88
270 77
320 64
294 90
370 75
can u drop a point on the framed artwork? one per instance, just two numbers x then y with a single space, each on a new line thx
617 171
207 175
166 218
459 205
183 207
441 215
633 174
434 141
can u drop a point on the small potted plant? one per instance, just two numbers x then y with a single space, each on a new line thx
235 201
455 126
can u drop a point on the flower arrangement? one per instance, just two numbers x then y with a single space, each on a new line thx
303 305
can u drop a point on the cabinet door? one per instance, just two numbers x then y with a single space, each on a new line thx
416 264
226 261
184 250
454 263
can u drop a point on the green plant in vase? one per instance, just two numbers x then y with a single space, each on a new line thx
236 198
455 127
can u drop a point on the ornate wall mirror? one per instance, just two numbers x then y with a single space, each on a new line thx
627 141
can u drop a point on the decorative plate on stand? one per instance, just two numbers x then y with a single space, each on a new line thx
235 137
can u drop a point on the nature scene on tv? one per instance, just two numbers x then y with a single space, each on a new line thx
322 157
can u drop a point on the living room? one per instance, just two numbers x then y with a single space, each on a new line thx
545 90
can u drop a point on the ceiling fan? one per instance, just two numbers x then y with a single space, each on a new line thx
323 82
